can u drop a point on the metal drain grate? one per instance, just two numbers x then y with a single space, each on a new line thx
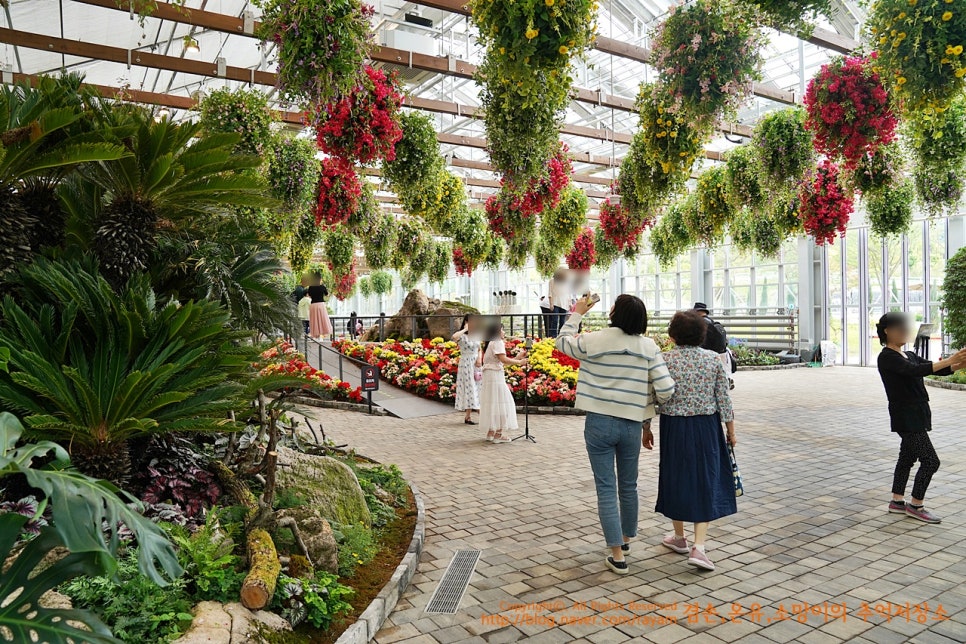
448 595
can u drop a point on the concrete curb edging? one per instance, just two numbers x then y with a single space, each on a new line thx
362 408
942 384
772 367
374 616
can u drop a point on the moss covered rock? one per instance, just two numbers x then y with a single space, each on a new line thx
327 485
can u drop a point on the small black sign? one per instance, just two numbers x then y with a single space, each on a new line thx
370 378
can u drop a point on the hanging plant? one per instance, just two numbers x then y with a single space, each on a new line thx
365 287
889 210
605 251
462 262
708 54
472 235
439 264
939 159
621 228
244 112
560 225
417 160
546 256
321 46
303 243
784 146
339 246
768 236
878 170
292 171
381 282
507 220
671 236
363 125
825 208
794 17
339 192
582 256
421 259
517 252
920 52
367 211
669 143
630 171
743 177
742 232
379 241
437 200
410 243
344 281
849 113
495 250
543 192
783 211
709 220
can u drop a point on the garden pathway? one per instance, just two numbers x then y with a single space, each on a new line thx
816 456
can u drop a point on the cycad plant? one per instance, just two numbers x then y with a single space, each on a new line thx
93 369
42 137
169 180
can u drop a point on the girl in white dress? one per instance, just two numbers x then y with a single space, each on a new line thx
498 410
468 380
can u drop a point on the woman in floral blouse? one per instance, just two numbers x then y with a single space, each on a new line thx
695 482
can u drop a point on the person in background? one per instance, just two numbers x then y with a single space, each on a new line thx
716 339
558 297
300 289
902 374
546 313
695 478
359 328
350 325
622 375
468 373
319 324
305 305
498 410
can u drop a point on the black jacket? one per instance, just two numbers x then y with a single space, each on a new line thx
902 376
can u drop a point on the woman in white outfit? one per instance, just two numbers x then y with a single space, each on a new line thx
471 360
498 410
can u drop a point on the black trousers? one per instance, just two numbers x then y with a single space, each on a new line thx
915 447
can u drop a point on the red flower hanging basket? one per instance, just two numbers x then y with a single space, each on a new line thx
583 255
825 207
339 192
363 126
620 226
344 282
462 263
849 111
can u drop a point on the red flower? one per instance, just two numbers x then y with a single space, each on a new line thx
583 255
462 263
344 282
825 208
339 192
621 226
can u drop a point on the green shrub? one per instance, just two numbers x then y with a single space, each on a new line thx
745 356
357 547
211 570
316 600
954 298
136 609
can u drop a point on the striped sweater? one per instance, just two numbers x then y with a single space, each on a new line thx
620 375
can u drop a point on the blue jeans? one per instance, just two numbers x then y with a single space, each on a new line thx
613 440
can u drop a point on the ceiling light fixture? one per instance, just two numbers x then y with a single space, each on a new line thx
191 46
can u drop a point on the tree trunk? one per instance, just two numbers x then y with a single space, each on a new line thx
263 570
236 489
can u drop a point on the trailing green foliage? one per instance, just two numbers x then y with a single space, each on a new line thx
318 600
954 298
242 111
357 547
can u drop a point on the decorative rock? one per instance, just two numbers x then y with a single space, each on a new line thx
443 322
211 625
327 485
272 621
244 622
318 536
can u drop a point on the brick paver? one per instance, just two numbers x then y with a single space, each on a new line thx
816 455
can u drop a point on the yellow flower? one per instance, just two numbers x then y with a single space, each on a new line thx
947 16
902 14
883 40
532 33
949 50
674 134
563 50
958 49
660 121
912 3
549 3
960 72
901 80
502 50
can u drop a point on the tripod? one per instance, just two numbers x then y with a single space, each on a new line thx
526 391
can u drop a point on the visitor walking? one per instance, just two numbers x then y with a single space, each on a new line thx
622 374
498 410
902 375
716 339
469 373
319 324
558 297
305 305
695 478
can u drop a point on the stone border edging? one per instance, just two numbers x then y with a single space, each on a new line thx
375 615
547 409
772 367
362 408
942 384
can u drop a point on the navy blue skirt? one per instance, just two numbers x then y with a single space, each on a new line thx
695 482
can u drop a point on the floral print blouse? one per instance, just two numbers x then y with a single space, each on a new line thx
701 384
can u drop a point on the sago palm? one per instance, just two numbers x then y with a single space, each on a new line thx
93 369
169 178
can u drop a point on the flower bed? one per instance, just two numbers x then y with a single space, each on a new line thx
282 359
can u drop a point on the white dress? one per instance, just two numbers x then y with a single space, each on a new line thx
498 410
467 386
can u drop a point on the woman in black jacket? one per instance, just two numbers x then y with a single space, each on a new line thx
902 374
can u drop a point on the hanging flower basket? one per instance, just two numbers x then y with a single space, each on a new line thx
849 113
462 263
793 16
622 228
560 225
545 192
878 170
939 159
339 192
784 146
743 176
417 160
243 112
379 241
671 236
344 281
583 255
437 200
439 265
707 53
546 257
363 126
321 46
292 171
507 219
339 245
889 210
825 208
410 244
714 210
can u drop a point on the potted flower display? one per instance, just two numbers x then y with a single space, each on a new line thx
825 208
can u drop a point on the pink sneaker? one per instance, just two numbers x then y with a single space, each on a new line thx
922 514
677 544
700 560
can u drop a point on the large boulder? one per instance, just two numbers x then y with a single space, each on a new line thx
318 536
429 315
443 322
416 305
326 484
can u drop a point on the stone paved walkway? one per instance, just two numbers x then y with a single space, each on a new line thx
816 456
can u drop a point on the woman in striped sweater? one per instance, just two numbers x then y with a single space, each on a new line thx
622 374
